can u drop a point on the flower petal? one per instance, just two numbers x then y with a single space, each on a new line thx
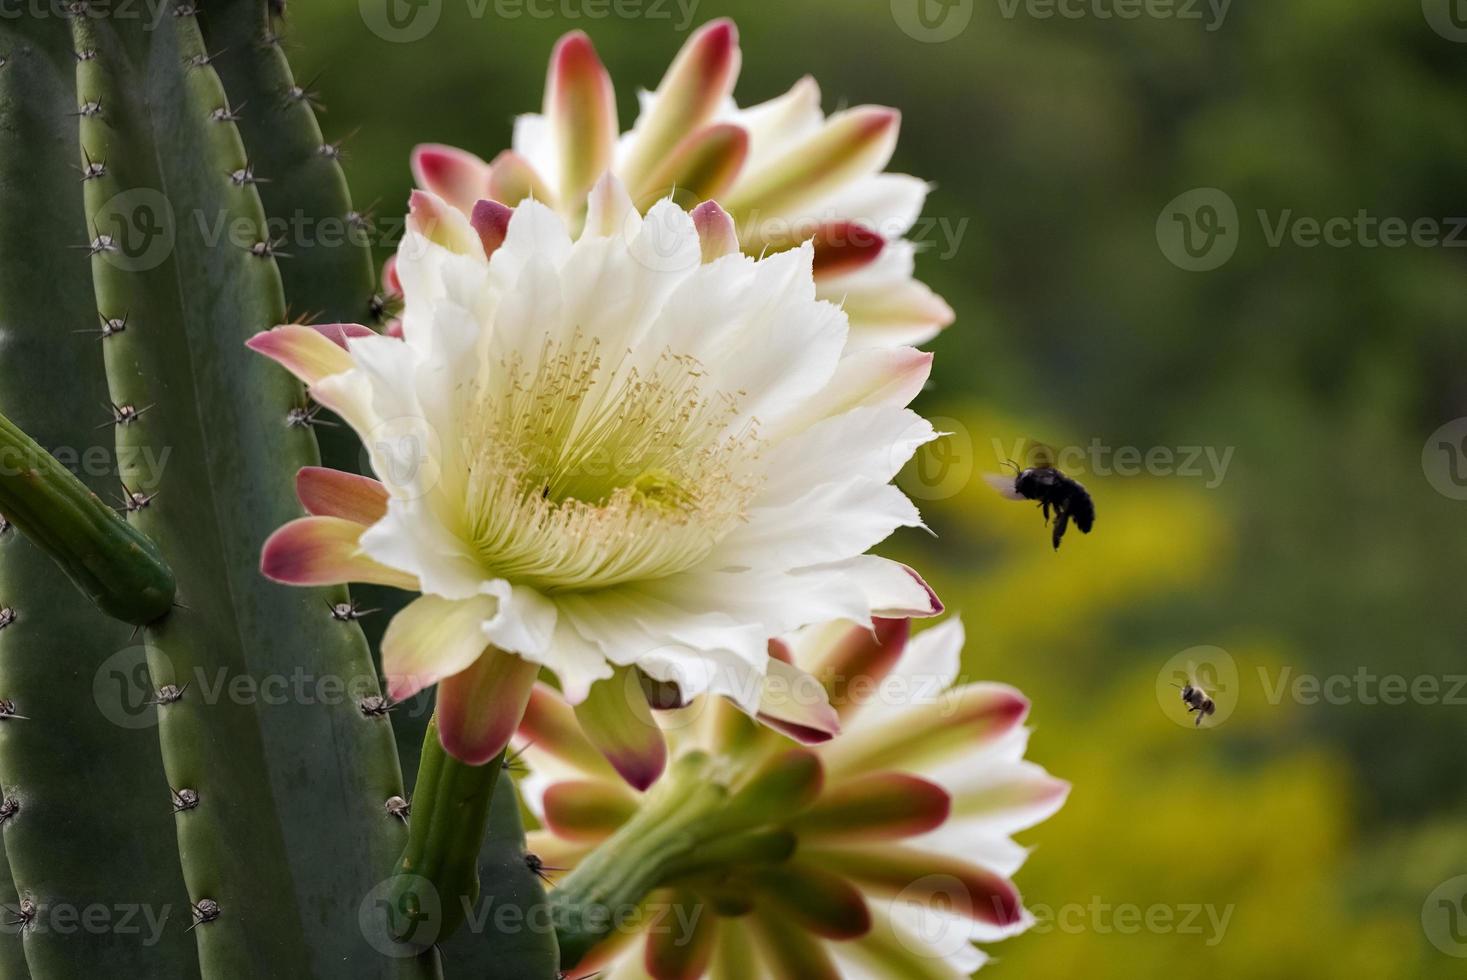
856 664
333 493
391 282
695 85
881 806
700 168
513 179
587 810
609 210
735 957
457 176
681 938
479 708
960 721
1001 798
616 719
325 551
785 119
433 218
843 247
919 876
795 703
931 946
892 590
814 899
491 220
580 106
550 726
430 639
785 784
788 950
889 376
887 314
850 145
716 231
524 621
305 352
830 523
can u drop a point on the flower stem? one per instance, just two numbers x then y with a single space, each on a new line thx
610 885
437 877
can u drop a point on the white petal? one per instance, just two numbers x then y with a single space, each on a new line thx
411 538
868 443
525 620
829 523
534 140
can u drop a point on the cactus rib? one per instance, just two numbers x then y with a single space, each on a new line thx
84 812
289 836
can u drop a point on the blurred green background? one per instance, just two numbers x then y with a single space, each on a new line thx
1315 828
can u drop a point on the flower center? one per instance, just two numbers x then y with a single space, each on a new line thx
586 471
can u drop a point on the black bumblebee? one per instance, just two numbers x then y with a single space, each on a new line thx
1197 700
1067 498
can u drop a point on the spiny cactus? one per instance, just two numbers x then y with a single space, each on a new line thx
87 821
268 824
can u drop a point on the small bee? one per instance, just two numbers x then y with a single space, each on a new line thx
1042 482
1197 700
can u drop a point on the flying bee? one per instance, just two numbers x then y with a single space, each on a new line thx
1197 700
1067 498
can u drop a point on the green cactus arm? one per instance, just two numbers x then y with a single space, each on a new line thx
329 276
303 188
91 824
290 834
110 561
437 881
465 881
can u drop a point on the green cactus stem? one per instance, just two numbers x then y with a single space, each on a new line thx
267 711
439 868
303 188
614 880
84 810
112 563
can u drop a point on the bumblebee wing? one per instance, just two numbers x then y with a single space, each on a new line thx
1004 485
